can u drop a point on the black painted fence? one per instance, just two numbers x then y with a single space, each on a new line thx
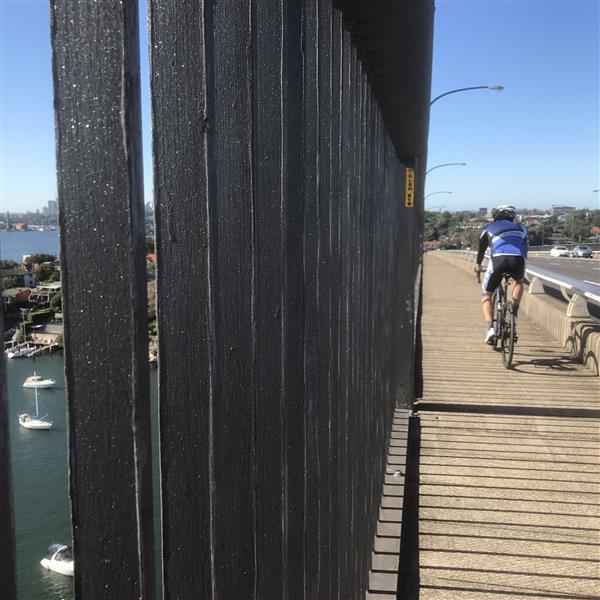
285 283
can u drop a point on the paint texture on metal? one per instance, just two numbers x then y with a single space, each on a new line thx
97 103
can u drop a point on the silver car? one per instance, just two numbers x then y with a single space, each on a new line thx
582 252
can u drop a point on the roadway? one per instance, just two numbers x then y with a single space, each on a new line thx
584 269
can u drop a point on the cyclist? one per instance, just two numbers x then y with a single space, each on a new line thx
508 243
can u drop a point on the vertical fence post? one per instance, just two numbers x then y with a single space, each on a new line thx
7 564
180 128
283 313
268 158
97 104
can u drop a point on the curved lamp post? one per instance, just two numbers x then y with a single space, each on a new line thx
494 88
434 193
445 165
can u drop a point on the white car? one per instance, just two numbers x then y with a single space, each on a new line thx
560 251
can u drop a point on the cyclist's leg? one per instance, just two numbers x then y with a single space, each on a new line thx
491 281
517 272
486 296
515 267
517 292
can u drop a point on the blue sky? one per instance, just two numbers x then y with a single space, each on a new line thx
534 144
27 144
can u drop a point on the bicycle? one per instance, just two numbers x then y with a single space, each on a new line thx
503 320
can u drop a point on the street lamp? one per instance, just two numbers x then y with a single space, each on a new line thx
543 230
445 165
494 88
434 193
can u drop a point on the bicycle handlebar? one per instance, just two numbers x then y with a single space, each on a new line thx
478 271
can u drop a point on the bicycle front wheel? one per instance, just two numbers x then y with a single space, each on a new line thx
508 336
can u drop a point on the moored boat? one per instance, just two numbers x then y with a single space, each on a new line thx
36 381
35 421
59 559
20 352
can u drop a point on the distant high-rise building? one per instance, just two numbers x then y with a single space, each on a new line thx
482 212
52 208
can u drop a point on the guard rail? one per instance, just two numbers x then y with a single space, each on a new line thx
576 292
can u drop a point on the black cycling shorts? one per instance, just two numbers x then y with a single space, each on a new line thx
499 265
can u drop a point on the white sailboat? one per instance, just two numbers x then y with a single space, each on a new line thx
34 421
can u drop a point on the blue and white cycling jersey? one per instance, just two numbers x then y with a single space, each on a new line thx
504 238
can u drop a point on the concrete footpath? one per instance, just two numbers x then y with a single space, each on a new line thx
507 499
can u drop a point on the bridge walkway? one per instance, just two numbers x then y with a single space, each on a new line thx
505 501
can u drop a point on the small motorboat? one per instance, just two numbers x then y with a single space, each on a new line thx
20 352
59 559
36 381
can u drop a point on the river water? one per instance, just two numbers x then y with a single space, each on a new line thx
39 458
40 475
14 244
40 488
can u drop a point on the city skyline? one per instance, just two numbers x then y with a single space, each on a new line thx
533 144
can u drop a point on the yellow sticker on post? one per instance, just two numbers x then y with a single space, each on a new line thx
409 198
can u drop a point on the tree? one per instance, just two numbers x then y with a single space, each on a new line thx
38 259
8 264
56 302
152 327
45 273
8 282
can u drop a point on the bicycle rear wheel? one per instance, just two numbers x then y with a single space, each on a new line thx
508 336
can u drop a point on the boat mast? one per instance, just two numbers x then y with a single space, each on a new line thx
23 311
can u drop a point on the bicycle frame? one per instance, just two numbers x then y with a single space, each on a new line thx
504 321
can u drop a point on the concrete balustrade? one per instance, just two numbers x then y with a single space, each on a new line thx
574 328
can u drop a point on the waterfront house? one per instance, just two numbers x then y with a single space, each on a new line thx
49 333
42 294
15 296
21 276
